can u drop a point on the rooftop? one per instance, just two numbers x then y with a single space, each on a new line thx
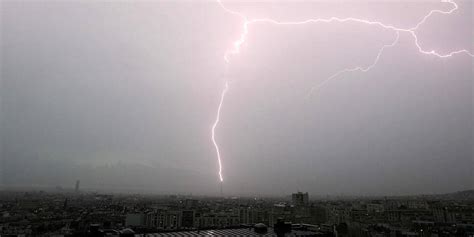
229 232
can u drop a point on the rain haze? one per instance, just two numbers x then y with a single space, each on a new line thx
123 95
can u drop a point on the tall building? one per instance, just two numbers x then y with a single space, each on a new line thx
300 199
77 185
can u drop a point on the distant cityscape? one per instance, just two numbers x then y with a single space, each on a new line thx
236 118
80 213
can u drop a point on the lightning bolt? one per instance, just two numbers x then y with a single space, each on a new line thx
237 44
213 131
358 68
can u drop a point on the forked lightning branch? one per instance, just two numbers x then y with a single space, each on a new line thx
247 23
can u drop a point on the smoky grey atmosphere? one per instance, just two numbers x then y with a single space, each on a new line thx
123 95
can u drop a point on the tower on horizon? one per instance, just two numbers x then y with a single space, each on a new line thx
78 182
300 199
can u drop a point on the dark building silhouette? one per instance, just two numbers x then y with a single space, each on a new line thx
260 228
300 199
281 228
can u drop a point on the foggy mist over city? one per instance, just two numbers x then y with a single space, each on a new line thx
123 96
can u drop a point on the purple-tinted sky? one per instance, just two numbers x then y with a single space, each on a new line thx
123 96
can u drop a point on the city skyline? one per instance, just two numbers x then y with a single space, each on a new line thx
96 214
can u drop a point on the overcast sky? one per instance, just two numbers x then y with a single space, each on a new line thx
123 95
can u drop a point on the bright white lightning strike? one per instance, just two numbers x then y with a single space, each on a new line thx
214 129
247 22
